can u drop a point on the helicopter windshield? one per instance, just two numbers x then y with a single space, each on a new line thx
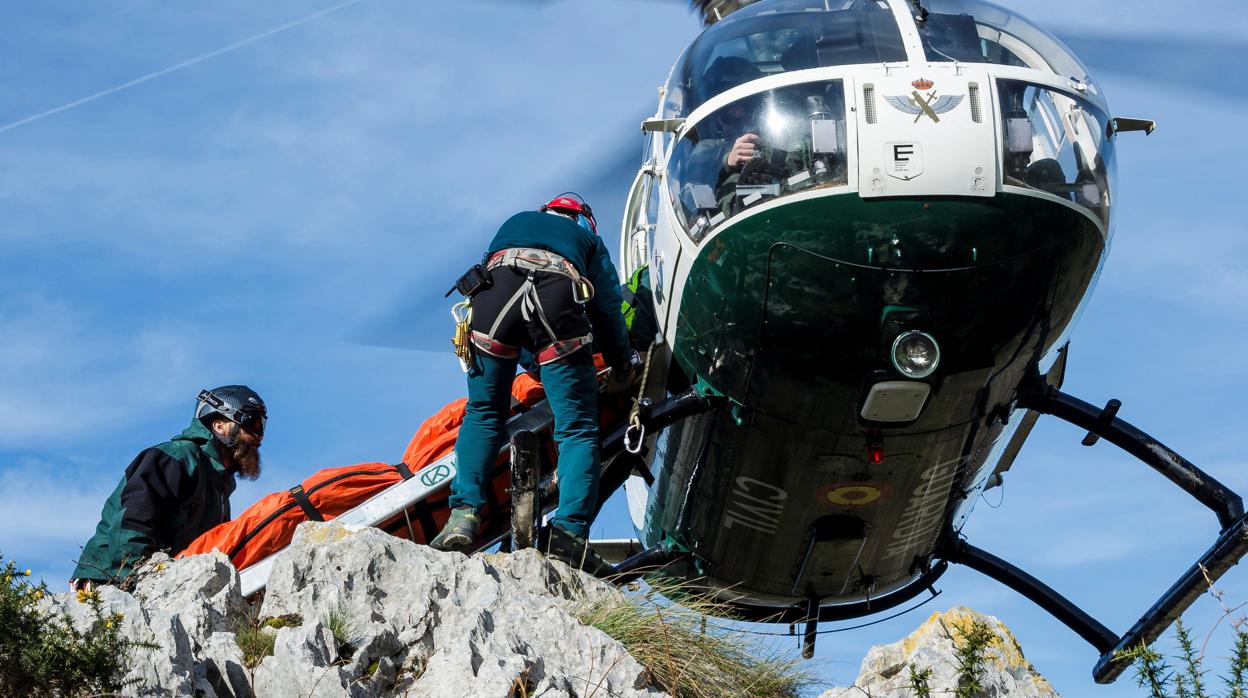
759 147
972 31
780 36
1056 143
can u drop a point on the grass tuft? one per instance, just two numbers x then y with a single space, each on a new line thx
340 624
683 659
255 643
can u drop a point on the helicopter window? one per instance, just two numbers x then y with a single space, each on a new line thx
979 32
1056 143
782 36
757 148
959 38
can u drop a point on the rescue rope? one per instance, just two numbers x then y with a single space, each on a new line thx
635 434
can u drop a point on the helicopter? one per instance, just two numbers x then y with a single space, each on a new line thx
861 322
889 452
864 312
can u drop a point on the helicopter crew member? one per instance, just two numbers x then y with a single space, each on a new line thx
173 492
728 140
553 291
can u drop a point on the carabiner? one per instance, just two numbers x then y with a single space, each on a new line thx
634 437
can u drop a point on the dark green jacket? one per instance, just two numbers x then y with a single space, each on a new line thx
589 255
171 493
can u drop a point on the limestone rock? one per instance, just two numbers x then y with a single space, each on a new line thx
167 667
354 612
445 624
886 671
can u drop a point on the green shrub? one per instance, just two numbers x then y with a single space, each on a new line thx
1187 680
44 654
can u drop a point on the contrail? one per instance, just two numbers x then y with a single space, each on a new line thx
179 66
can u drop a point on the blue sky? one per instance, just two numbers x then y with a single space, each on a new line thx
279 213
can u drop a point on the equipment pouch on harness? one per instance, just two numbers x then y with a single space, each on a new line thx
473 281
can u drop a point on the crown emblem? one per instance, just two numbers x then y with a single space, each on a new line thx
923 84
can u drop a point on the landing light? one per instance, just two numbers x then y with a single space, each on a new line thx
915 354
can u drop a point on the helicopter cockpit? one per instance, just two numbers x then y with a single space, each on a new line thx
1049 131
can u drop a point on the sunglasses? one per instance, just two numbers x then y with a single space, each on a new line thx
254 423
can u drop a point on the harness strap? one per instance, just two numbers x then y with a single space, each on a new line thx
518 295
533 259
301 498
532 302
561 348
493 347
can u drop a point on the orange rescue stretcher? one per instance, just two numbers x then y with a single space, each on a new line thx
407 499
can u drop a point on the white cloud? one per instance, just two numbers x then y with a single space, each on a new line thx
49 509
67 376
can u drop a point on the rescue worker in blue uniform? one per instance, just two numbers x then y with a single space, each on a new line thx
554 291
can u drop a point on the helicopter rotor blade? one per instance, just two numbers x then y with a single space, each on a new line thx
1189 64
419 319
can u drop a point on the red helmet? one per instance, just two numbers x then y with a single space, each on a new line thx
574 207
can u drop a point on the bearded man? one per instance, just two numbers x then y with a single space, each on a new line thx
173 492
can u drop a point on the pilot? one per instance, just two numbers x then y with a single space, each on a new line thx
728 140
554 290
173 492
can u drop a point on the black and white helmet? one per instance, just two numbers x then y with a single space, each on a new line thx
237 403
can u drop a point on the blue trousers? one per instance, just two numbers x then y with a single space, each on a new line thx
572 393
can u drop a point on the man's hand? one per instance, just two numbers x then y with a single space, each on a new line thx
743 150
624 377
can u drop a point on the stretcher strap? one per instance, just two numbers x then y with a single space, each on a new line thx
301 498
404 471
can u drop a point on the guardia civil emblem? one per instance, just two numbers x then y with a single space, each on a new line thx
920 105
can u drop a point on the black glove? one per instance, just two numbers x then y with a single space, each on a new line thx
625 375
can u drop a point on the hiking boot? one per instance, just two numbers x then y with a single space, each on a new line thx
459 532
575 552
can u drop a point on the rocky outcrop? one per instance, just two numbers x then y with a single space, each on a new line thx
930 656
356 612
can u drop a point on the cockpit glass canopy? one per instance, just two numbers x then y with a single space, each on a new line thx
972 31
778 36
757 148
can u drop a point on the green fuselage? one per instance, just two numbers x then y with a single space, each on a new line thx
790 314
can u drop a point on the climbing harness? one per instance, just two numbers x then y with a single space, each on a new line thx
533 261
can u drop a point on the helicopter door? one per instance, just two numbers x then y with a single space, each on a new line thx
637 231
926 132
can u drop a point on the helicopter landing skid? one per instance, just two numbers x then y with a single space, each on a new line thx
1226 552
